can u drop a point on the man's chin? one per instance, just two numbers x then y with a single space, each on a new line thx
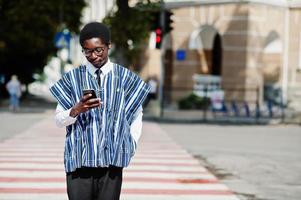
97 65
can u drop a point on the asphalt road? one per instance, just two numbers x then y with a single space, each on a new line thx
257 162
32 110
14 123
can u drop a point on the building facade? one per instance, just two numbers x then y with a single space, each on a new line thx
254 46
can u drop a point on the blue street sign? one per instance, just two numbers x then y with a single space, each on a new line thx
180 54
62 39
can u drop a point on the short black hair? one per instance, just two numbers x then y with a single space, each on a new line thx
95 30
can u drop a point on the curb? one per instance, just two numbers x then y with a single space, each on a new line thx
217 121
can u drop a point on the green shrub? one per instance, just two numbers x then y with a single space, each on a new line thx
193 101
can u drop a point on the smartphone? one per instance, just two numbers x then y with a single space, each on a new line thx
90 91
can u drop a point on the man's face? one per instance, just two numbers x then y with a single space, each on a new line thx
96 52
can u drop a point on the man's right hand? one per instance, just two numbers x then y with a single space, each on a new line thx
85 104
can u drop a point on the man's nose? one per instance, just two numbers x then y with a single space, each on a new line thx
93 54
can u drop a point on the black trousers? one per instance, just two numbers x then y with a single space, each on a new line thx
94 183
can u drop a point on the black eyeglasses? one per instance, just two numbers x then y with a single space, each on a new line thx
98 51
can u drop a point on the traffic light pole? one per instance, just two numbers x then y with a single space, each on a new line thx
162 20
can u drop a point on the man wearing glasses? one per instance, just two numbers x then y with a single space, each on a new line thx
103 126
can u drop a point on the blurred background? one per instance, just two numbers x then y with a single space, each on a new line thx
208 59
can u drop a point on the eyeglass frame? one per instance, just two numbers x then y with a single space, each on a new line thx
98 51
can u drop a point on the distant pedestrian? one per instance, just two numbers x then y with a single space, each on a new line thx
99 103
14 89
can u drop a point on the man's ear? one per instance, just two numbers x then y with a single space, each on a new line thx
109 45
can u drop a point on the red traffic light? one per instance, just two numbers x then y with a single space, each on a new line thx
158 32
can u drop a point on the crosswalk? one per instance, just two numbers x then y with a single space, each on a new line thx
31 164
31 168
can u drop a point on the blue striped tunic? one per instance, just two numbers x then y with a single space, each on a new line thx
101 136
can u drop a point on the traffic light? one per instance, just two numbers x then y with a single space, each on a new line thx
161 25
159 36
157 28
167 21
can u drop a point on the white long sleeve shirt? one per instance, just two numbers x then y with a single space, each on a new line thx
63 118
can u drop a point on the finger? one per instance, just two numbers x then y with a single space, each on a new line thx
86 97
94 105
93 101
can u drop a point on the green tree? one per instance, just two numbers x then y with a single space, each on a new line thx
27 29
130 27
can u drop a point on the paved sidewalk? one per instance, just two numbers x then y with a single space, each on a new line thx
31 168
172 114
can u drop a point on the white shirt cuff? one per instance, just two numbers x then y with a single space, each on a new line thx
62 117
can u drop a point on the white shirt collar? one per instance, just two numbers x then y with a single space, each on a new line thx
105 69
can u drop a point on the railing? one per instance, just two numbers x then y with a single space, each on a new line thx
237 102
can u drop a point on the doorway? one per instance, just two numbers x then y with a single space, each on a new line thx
217 56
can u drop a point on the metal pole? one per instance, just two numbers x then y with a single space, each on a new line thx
282 108
257 109
205 102
285 57
162 20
